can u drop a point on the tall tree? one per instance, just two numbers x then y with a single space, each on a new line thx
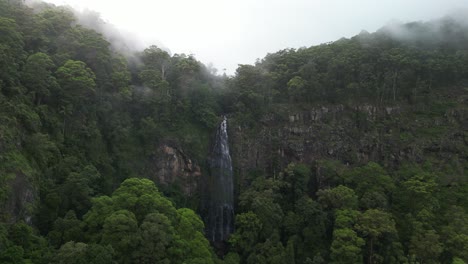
373 224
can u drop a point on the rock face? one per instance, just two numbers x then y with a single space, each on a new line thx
172 166
20 202
353 135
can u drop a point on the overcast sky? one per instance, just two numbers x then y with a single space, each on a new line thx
231 32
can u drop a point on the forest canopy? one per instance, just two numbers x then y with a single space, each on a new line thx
363 156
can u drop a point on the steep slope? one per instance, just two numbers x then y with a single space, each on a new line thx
351 151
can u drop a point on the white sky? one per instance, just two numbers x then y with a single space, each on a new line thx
227 33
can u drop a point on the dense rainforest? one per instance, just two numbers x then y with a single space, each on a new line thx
354 151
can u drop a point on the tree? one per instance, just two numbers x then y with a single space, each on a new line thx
78 188
191 245
37 76
298 176
138 221
425 246
373 224
71 252
454 234
420 188
232 258
121 76
12 254
98 254
159 87
248 90
345 218
78 85
141 197
22 235
11 51
340 197
77 82
247 234
203 106
157 59
346 247
296 88
86 45
271 251
120 230
157 235
372 185
264 199
81 253
56 21
313 229
66 229
42 149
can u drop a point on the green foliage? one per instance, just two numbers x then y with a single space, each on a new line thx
138 221
78 119
425 246
298 176
296 88
76 80
372 185
66 229
346 218
264 201
373 224
41 149
11 50
340 197
120 231
80 253
346 247
157 237
248 227
457 261
37 76
271 251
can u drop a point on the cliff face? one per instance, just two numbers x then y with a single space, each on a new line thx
171 166
20 202
389 135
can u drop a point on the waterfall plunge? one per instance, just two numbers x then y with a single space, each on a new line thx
220 218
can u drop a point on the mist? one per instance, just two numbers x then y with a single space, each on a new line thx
451 28
226 33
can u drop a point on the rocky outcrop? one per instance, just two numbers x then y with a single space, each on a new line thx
353 135
171 166
20 202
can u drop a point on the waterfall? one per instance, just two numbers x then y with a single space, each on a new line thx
220 210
